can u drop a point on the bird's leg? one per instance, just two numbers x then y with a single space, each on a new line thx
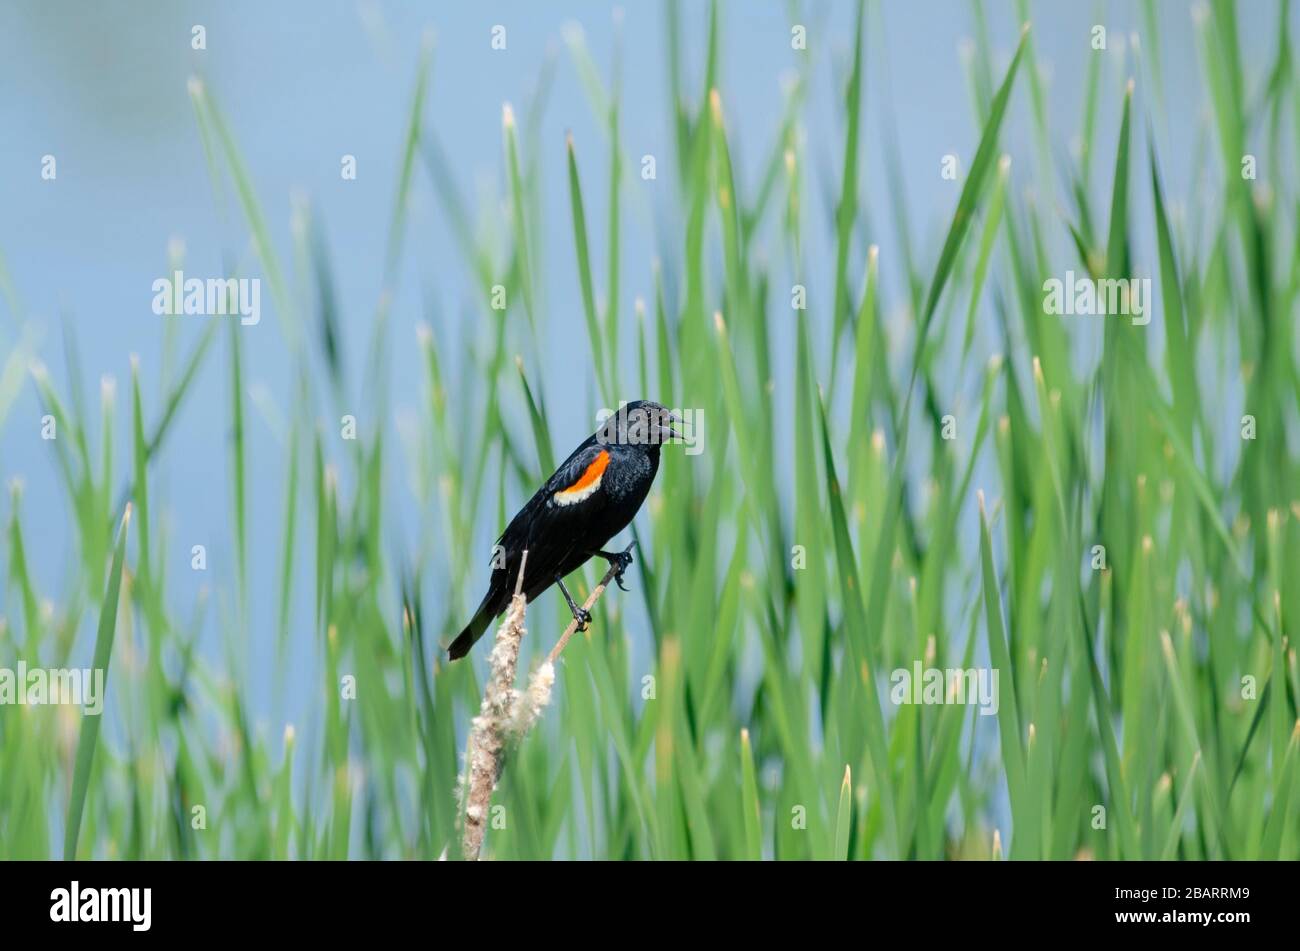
619 561
580 614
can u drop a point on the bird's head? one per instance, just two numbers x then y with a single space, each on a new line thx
639 423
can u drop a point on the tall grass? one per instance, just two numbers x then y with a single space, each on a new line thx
1147 705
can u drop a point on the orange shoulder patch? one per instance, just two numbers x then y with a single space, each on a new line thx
586 483
592 473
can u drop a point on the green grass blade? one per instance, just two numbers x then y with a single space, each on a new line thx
584 270
749 800
89 737
980 168
844 817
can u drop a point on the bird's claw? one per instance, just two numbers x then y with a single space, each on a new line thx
583 617
620 564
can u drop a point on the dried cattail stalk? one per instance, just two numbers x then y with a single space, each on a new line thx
506 714
487 734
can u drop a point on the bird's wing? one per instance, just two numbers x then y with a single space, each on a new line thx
552 521
579 478
570 472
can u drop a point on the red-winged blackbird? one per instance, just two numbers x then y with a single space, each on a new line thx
590 499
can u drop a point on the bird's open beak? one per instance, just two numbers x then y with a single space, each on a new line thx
674 418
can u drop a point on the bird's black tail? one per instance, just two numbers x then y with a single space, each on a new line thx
473 630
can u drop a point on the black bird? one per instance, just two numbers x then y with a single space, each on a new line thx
590 499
